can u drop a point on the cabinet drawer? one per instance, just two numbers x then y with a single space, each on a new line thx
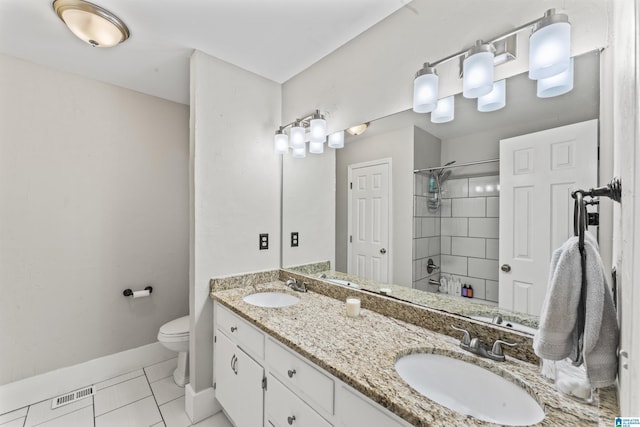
246 336
283 408
300 376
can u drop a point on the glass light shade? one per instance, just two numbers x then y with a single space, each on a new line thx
296 137
300 153
358 129
477 78
91 23
316 147
556 85
444 112
425 93
281 143
336 139
318 130
549 50
494 100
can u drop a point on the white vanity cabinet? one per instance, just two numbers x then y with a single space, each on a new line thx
298 393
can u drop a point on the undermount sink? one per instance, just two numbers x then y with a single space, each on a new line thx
469 389
271 299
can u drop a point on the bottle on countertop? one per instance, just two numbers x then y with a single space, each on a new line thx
469 291
464 290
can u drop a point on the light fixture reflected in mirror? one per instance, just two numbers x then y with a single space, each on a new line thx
281 142
358 129
316 125
556 85
296 136
494 100
336 139
91 23
444 112
317 129
425 90
477 71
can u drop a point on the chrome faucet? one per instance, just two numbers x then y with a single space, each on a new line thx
295 285
476 346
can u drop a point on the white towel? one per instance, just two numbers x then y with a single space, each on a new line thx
554 339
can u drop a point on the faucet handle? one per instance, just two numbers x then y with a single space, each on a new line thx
466 338
497 347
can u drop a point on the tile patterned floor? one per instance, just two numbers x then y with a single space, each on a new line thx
144 398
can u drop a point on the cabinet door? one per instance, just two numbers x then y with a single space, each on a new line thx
355 410
238 383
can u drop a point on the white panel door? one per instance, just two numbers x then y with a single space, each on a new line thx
368 225
538 172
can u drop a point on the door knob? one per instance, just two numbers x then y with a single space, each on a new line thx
506 268
383 251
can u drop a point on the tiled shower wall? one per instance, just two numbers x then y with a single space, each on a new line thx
462 237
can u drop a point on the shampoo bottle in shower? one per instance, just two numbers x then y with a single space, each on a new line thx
433 186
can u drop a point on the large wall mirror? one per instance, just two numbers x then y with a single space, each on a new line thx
390 213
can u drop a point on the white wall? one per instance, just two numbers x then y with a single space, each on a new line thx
93 200
309 209
235 188
398 145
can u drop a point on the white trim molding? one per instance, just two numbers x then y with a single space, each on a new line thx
200 405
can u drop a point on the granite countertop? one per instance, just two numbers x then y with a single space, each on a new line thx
362 352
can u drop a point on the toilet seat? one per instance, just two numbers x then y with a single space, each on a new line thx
175 331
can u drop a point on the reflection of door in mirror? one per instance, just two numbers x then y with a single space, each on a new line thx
538 172
368 220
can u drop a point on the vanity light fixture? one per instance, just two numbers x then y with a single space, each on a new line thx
316 125
494 100
358 129
444 112
336 139
556 85
549 49
477 71
91 23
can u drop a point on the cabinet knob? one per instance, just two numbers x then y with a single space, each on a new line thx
291 373
291 419
233 329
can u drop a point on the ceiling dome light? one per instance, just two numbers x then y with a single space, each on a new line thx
444 112
358 129
477 71
494 100
550 46
336 139
556 85
425 90
91 23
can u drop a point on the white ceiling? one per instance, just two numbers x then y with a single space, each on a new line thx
276 39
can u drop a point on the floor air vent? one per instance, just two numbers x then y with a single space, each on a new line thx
65 399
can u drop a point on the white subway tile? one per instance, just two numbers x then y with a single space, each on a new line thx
493 207
493 246
455 188
428 227
492 291
417 227
454 265
483 268
434 246
445 208
484 227
417 184
445 245
423 248
468 246
484 186
468 207
454 226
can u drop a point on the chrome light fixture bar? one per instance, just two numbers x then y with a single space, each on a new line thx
549 56
91 23
316 124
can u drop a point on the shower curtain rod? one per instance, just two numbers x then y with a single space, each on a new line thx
458 165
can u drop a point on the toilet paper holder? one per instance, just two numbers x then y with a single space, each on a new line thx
129 292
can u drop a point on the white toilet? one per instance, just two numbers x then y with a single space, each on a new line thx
174 335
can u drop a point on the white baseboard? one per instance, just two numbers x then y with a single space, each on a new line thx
200 405
21 393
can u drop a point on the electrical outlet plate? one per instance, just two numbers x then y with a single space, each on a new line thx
294 239
264 241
